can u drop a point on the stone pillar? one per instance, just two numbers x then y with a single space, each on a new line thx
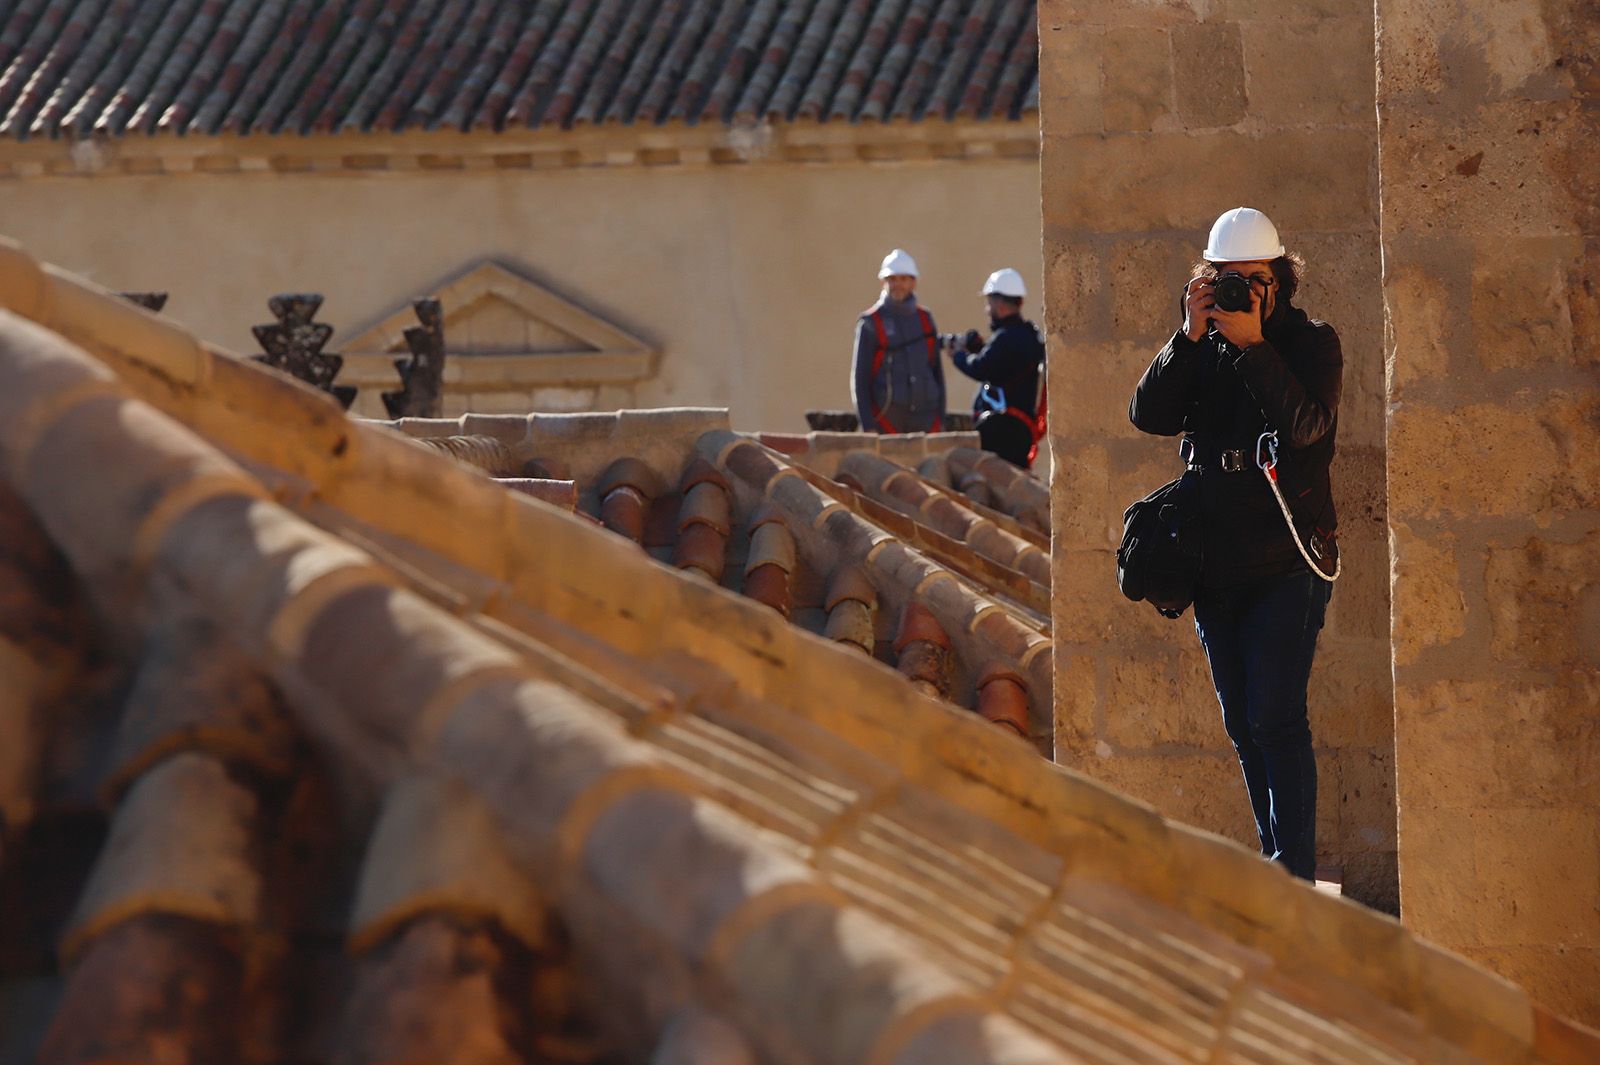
1491 242
1157 116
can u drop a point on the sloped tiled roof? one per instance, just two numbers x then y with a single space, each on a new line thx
117 67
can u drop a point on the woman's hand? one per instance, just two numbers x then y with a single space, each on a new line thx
1242 329
1197 308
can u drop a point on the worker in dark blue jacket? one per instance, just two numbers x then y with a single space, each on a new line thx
1009 405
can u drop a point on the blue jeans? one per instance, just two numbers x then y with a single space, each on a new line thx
1260 639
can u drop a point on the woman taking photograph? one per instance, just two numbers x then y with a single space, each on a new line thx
1246 364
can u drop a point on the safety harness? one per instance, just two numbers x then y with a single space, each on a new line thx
883 350
1267 462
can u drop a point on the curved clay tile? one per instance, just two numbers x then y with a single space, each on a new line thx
299 101
292 42
111 64
780 45
147 72
910 99
708 57
475 55
967 35
814 37
659 94
305 55
496 102
611 66
423 34
864 62
528 104
255 41
638 74
33 52
79 78
375 39
891 70
836 55
736 67
204 48
1017 71
584 63
176 67
1008 25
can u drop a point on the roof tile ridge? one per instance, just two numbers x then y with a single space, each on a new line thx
709 58
318 32
866 59
370 49
803 60
980 82
752 102
663 85
612 65
902 49
173 106
204 113
288 45
742 59
960 60
835 58
305 99
528 104
1023 58
24 68
79 77
587 61
492 111
910 99
488 35
131 94
403 65
636 77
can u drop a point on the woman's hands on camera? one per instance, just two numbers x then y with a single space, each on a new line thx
1242 329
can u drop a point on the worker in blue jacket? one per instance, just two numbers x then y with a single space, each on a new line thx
1009 407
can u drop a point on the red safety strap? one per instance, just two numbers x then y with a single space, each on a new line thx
1040 421
877 364
933 359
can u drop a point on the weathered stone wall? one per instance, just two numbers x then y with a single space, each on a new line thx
1157 116
1491 241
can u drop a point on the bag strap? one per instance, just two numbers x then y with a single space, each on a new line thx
1267 461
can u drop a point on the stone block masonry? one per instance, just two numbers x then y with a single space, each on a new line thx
1491 227
1157 117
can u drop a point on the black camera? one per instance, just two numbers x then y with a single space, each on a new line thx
971 341
1231 292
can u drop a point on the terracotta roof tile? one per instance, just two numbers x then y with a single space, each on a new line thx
115 67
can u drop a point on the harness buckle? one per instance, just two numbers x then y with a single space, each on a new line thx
1232 461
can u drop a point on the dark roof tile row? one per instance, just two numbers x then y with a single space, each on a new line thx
115 67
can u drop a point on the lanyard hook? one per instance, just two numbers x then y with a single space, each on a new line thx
1267 452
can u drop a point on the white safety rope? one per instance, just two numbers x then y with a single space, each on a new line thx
1267 461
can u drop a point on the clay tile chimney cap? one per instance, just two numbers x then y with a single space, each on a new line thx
918 623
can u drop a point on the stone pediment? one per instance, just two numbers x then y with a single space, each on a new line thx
503 328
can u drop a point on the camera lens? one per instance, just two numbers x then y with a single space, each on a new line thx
1231 292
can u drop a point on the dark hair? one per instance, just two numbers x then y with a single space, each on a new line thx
1014 302
1289 269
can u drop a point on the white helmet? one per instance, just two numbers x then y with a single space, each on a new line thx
1006 282
898 261
1243 234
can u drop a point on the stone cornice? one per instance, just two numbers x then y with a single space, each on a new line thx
588 146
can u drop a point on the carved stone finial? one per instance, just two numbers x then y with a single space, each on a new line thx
422 375
294 344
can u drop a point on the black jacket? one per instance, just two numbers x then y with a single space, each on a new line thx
1220 399
1008 366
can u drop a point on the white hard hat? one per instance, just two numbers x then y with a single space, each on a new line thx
1006 282
1243 234
898 261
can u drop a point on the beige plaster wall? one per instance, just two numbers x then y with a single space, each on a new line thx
1491 240
1157 116
748 279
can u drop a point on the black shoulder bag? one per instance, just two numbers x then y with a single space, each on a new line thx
1159 557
